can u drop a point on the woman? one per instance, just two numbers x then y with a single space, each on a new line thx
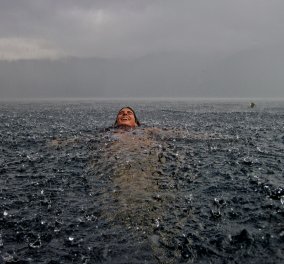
126 118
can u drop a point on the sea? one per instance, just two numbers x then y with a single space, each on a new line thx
201 181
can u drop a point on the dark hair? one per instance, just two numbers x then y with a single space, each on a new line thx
135 117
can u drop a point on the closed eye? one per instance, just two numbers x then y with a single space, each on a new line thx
128 112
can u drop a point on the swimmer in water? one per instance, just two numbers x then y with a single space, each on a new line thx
126 118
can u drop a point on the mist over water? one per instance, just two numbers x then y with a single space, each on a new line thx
199 182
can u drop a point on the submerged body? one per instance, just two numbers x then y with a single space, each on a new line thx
135 157
142 191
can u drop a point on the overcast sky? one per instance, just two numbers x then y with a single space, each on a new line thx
128 29
123 28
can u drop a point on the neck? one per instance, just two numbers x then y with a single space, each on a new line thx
125 127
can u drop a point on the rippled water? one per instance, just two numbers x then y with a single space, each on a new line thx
200 182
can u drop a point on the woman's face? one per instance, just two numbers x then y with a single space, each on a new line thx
126 117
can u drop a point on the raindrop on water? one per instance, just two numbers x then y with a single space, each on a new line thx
157 222
36 243
282 199
8 257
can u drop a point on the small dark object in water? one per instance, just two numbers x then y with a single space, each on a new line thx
244 236
252 105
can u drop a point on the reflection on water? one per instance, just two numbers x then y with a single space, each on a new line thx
205 185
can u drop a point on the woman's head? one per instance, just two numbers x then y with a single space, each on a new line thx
126 117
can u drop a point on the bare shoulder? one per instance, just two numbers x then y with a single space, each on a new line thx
165 132
180 133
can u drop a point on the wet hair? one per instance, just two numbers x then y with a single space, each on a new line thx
135 117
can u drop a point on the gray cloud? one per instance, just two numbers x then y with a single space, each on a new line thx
134 28
146 48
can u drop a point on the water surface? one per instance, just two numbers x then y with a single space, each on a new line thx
205 186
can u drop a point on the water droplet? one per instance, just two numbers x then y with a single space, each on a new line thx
8 258
36 244
282 199
5 213
157 222
71 238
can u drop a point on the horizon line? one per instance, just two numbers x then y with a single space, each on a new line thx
155 98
